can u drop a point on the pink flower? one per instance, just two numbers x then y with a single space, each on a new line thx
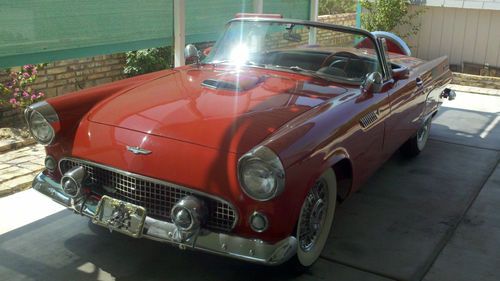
26 75
41 95
13 101
16 94
33 97
25 94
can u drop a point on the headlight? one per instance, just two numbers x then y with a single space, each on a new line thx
261 174
42 119
40 128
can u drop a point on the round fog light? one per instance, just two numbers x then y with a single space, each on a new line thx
258 222
72 181
70 187
50 163
182 218
188 214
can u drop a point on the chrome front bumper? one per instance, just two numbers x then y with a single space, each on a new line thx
252 250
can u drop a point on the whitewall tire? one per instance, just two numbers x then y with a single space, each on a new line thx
315 219
416 144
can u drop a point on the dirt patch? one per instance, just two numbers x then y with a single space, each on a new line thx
14 138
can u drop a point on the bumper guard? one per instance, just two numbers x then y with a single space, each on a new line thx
247 249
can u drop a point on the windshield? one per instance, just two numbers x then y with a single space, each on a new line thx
311 50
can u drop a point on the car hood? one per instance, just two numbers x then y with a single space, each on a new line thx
221 108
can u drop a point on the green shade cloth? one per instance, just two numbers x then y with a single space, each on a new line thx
33 31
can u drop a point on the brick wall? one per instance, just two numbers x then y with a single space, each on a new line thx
347 19
323 37
476 81
65 76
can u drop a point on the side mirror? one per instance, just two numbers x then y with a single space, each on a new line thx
372 83
400 73
191 53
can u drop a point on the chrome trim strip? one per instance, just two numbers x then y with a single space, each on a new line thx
162 182
48 112
247 249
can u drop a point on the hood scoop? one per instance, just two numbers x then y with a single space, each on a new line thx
233 82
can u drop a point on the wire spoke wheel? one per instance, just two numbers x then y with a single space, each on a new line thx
314 214
315 220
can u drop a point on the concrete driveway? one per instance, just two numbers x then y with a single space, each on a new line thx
432 218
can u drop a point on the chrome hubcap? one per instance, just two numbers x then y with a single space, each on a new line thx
313 215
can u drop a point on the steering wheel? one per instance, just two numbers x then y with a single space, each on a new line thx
340 62
341 57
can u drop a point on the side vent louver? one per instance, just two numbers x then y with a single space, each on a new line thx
368 119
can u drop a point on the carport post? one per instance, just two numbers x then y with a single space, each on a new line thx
258 6
179 32
313 16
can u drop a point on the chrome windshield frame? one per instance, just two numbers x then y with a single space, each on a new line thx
333 27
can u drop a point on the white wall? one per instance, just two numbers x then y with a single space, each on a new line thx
467 4
464 35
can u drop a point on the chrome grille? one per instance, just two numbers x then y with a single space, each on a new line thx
368 119
157 197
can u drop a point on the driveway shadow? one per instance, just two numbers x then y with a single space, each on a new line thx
66 247
469 127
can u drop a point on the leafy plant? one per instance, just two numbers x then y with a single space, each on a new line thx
331 7
19 91
391 15
148 60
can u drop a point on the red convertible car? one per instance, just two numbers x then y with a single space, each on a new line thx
246 152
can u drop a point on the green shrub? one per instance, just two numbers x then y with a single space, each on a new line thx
391 15
148 60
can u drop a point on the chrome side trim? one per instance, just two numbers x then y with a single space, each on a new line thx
247 249
146 178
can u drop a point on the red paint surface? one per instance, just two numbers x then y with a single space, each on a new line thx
198 133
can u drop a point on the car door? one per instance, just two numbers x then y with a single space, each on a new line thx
407 103
366 146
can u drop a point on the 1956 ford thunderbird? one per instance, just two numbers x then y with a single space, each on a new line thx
245 152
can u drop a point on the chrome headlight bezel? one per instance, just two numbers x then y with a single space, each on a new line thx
269 162
46 114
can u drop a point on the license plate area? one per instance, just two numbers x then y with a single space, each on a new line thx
120 216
